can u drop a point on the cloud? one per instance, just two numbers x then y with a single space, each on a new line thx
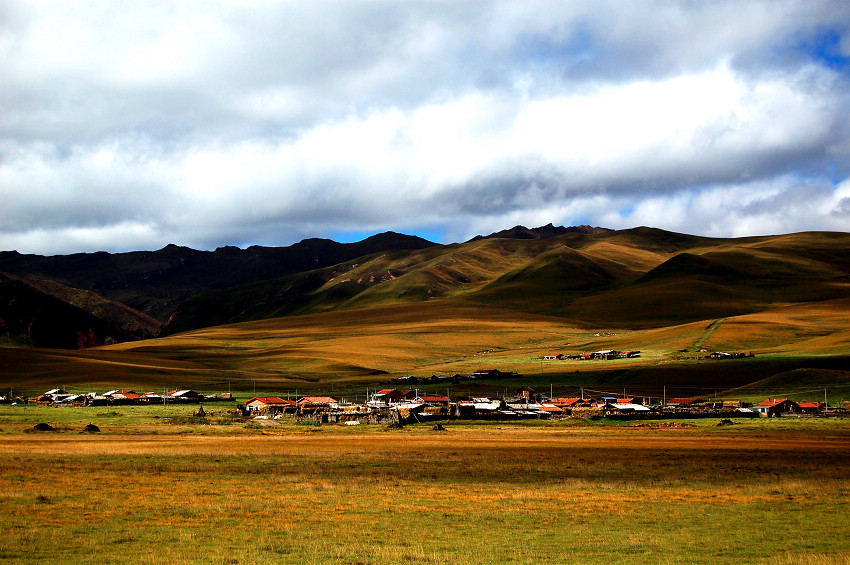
207 124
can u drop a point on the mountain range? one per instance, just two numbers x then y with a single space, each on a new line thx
635 278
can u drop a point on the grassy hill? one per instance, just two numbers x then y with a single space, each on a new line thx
501 302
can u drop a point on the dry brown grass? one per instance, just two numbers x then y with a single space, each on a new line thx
368 347
473 494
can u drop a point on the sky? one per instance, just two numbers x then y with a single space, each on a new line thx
132 125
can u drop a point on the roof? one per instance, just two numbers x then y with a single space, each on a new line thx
680 401
434 398
635 407
271 400
810 404
773 401
549 408
317 400
183 393
566 401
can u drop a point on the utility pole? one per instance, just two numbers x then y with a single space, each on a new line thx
664 402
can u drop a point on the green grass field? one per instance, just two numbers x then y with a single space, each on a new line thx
152 487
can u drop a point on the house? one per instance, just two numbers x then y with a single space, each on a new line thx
553 357
570 402
72 400
525 392
631 400
184 396
628 354
776 407
315 403
812 407
123 396
605 354
486 374
151 398
409 379
271 405
477 407
392 396
626 408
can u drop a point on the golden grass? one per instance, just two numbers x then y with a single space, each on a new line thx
368 347
476 494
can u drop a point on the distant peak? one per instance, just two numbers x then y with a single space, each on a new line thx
549 230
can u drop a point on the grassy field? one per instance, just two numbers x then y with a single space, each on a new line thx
343 353
153 487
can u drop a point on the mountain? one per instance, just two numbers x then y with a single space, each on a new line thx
156 282
47 314
637 278
522 232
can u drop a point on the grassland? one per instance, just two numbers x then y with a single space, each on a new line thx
343 353
154 488
158 486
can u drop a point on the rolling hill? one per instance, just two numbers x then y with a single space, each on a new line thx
395 305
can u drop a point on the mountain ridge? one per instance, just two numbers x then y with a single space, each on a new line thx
640 277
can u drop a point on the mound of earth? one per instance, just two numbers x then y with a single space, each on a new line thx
42 427
91 428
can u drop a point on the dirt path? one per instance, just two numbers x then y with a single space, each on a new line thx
698 343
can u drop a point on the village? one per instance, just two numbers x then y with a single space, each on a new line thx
399 406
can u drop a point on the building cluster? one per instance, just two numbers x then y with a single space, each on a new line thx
489 374
392 405
610 354
603 355
61 397
409 405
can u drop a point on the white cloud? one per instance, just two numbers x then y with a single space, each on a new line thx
214 123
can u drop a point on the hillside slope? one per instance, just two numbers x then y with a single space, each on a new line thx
156 282
47 314
642 277
631 278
